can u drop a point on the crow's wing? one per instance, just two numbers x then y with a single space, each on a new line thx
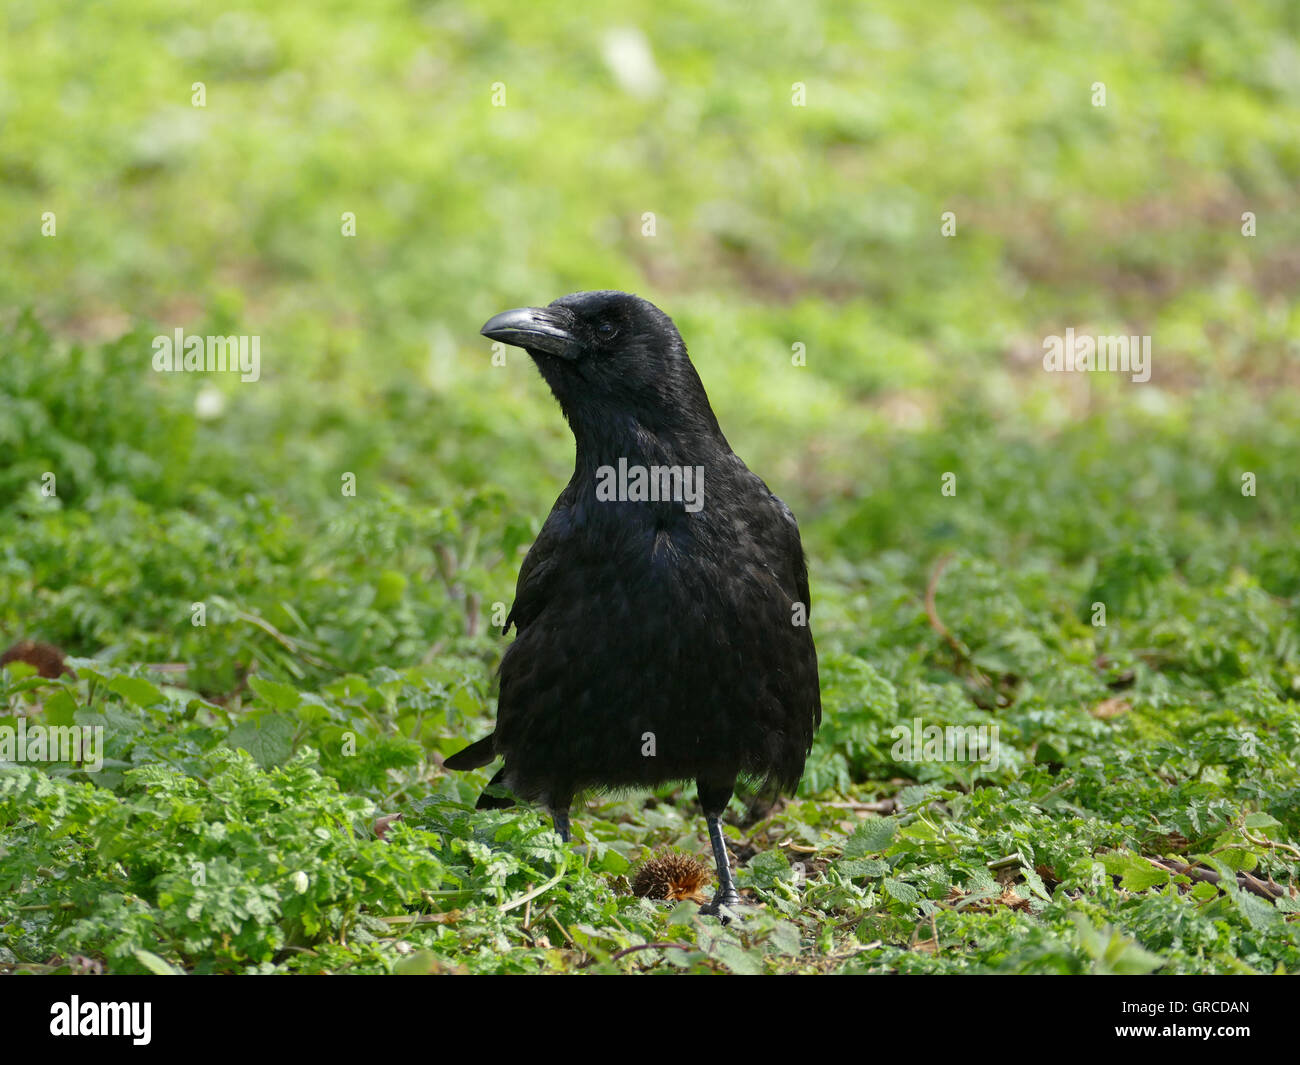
796 550
540 565
794 553
531 593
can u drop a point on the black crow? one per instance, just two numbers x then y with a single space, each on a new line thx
662 614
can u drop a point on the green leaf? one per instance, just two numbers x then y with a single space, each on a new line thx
1259 913
768 866
1238 858
268 739
60 708
785 938
852 868
137 691
1036 884
418 963
276 695
154 964
1113 952
901 891
737 959
1136 873
1140 875
871 837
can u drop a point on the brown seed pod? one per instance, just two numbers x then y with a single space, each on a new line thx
673 876
47 658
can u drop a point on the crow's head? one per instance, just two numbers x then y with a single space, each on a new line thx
609 357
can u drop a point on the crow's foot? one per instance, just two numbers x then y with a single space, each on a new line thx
727 898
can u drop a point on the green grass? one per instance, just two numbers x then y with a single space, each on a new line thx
348 642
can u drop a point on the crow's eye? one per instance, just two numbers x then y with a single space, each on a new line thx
606 330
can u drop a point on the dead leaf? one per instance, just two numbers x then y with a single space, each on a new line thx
1108 708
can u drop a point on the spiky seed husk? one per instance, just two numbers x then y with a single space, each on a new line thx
672 876
47 658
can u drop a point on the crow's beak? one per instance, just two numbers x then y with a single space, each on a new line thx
546 329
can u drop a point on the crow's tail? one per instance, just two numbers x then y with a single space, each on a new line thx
475 756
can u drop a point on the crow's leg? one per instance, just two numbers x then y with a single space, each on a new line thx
559 818
714 798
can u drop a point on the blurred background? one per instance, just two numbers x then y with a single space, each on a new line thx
771 175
